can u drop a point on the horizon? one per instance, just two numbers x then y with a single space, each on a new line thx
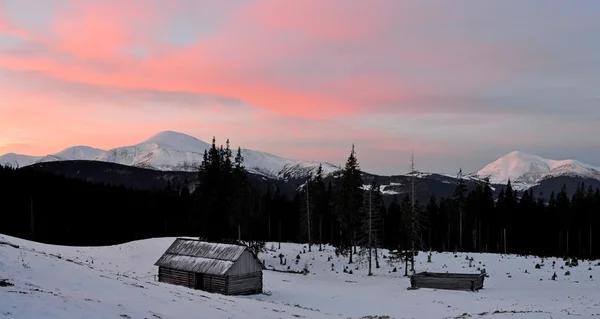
305 80
234 146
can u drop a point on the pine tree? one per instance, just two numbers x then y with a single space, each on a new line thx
578 214
241 193
563 208
349 200
320 199
460 202
432 213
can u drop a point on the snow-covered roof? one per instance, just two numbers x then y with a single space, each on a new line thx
200 257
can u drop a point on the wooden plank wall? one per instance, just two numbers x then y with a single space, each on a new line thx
216 284
246 264
247 284
466 283
176 277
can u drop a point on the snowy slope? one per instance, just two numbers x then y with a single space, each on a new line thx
118 282
170 151
75 153
18 160
525 170
173 151
68 154
111 282
167 151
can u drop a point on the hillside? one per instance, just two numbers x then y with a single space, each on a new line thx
45 281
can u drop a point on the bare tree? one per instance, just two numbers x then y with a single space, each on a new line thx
306 210
370 225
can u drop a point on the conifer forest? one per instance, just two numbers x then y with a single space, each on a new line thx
225 206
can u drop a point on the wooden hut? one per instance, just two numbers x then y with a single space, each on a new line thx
451 281
220 268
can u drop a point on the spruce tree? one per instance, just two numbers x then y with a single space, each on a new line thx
460 203
349 200
563 208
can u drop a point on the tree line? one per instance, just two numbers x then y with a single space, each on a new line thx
339 210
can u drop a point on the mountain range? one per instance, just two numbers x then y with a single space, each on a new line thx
174 153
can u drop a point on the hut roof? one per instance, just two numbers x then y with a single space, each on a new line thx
200 257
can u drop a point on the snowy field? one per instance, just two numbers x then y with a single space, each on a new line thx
44 281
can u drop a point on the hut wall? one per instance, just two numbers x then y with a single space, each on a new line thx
177 277
245 264
466 282
245 284
216 284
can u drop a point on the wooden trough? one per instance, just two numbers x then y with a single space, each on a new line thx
449 281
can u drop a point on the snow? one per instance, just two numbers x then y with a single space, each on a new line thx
173 151
68 154
18 160
74 153
526 170
382 188
118 282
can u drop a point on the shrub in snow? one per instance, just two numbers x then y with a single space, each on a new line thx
537 266
394 270
567 273
305 270
350 272
574 262
5 283
554 276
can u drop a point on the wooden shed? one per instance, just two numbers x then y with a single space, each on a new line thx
451 281
221 268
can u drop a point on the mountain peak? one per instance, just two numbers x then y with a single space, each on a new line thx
79 152
178 141
526 169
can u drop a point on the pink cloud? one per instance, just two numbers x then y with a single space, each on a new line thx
283 62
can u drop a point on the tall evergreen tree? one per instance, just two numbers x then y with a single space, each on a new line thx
349 201
460 202
563 210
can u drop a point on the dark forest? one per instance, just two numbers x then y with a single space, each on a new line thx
225 206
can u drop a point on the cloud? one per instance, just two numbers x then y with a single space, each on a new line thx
306 77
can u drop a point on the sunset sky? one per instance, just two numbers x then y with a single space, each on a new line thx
459 82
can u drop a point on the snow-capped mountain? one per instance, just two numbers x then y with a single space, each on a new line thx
18 160
75 153
68 154
172 151
526 170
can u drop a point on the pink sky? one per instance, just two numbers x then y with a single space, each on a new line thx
300 79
